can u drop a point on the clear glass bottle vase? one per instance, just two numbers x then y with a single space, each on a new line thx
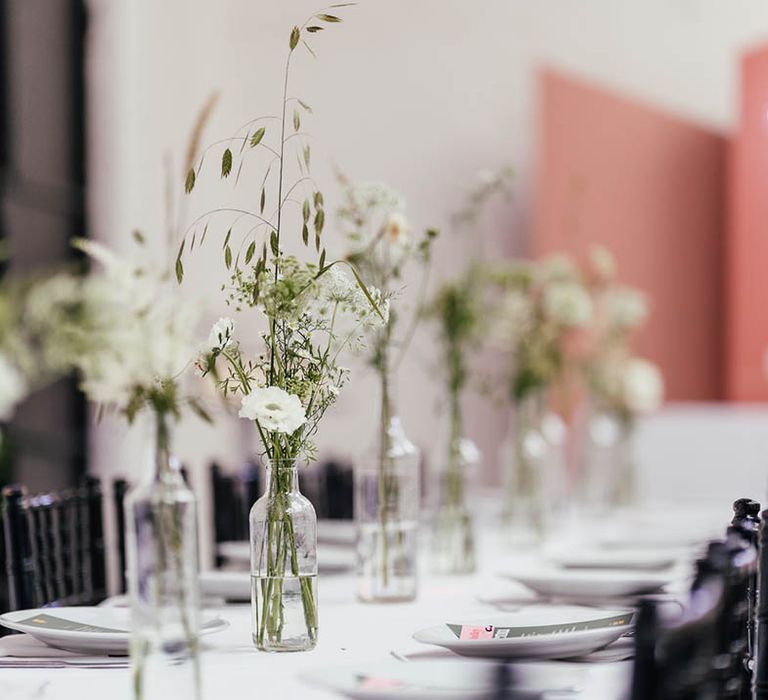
161 549
453 531
283 529
527 456
387 503
609 477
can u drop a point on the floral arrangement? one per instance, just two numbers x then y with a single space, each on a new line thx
618 381
127 330
542 305
382 247
312 309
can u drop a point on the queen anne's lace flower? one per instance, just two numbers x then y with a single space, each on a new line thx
275 409
568 304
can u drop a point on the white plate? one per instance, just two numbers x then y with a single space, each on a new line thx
586 584
89 630
634 559
331 559
537 632
455 679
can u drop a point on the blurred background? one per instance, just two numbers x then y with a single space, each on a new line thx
639 126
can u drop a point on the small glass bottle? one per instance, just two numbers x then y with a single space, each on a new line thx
387 500
283 529
527 456
453 532
161 547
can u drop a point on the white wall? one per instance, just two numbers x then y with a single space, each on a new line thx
421 94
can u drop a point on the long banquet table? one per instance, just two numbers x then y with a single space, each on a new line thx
350 633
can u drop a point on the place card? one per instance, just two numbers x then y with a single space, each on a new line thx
477 632
51 622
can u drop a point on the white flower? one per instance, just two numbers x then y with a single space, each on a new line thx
642 386
625 307
13 387
568 304
275 409
221 334
396 237
556 268
514 319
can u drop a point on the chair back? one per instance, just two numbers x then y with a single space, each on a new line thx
54 547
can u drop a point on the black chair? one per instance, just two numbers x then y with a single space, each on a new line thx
761 661
54 547
705 652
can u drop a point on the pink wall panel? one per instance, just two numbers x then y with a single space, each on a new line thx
747 269
650 187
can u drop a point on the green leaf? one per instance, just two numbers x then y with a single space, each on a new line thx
314 29
226 238
228 257
273 244
321 264
205 233
250 252
264 255
296 120
263 200
319 221
179 265
344 4
306 107
226 163
138 236
189 184
318 199
328 18
305 210
306 156
257 136
305 234
317 243
294 41
197 408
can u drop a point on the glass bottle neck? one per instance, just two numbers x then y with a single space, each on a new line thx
282 479
166 468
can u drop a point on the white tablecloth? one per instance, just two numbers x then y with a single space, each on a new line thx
350 633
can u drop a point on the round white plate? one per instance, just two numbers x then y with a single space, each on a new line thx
536 632
455 679
634 559
91 630
586 584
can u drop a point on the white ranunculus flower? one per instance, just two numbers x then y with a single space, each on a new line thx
625 307
13 387
568 304
275 409
642 385
221 333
